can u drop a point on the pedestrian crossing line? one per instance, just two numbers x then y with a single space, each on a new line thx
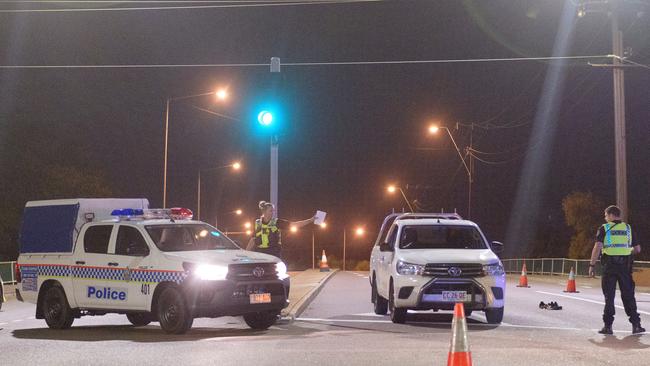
588 300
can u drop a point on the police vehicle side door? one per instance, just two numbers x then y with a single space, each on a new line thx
132 254
94 274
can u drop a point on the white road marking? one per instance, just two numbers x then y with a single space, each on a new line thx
319 320
17 320
4 323
587 300
586 286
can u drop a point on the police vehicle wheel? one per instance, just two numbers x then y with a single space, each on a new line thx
262 320
139 319
173 313
56 311
494 316
397 315
381 304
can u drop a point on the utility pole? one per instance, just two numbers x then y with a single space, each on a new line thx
471 173
619 113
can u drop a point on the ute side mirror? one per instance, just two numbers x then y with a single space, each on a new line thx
496 246
385 247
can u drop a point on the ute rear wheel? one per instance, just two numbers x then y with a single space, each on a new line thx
397 315
380 304
139 319
262 320
173 313
56 310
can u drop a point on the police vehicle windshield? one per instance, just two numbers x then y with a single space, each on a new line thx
441 237
189 237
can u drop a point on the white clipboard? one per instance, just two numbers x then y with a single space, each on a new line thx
320 217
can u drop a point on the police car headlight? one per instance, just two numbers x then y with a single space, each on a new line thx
211 272
493 270
281 269
405 268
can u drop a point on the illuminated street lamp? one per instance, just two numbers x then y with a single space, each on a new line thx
247 225
221 94
293 229
218 93
392 189
235 166
238 212
433 129
359 231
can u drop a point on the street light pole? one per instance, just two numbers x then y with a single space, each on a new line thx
619 114
220 94
313 248
434 129
198 197
344 249
166 142
406 199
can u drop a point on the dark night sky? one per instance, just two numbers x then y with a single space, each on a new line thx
348 130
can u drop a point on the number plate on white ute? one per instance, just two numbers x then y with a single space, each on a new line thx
454 296
260 298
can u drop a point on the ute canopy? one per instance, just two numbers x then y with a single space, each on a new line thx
53 226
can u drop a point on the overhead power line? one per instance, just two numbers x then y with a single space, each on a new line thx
258 4
301 64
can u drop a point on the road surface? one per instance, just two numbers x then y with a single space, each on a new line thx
339 328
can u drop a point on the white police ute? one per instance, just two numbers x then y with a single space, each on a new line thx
96 256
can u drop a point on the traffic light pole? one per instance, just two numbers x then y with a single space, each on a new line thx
274 172
275 70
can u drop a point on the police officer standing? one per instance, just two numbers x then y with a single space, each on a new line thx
614 243
267 236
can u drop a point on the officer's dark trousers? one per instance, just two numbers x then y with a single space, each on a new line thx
620 273
273 250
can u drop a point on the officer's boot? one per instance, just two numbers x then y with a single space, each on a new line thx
637 328
607 329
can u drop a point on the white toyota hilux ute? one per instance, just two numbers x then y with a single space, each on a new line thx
431 262
92 257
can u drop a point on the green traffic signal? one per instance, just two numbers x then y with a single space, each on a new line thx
265 118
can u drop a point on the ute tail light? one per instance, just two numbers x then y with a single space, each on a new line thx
17 275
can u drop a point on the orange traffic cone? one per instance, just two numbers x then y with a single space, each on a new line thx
323 263
571 284
459 354
523 280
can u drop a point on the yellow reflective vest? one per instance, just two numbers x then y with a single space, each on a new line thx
267 235
618 239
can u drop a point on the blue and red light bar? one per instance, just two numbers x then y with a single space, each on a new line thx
176 213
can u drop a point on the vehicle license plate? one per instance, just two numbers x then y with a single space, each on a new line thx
454 296
260 298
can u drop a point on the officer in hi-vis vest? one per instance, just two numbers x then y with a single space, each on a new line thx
267 234
615 244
